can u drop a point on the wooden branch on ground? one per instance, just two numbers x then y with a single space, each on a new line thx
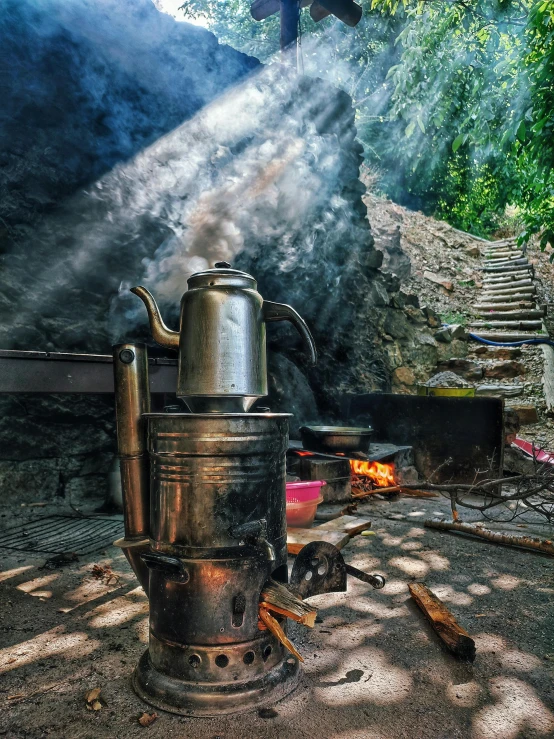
443 622
527 542
275 627
392 489
277 597
416 493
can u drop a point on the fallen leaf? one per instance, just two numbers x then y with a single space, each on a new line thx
105 573
148 718
15 695
93 695
96 706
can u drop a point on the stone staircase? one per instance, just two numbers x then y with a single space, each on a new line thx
506 310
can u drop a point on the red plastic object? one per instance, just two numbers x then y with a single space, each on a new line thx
301 515
301 492
533 451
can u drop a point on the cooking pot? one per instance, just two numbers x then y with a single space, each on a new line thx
332 439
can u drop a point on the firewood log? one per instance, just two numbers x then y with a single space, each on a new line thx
275 627
443 622
276 597
527 542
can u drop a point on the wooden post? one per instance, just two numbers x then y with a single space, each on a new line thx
290 16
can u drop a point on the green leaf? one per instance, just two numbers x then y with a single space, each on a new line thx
521 131
410 128
458 141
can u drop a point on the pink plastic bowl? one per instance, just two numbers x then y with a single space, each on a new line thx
303 499
301 492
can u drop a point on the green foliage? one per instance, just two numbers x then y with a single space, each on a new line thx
454 98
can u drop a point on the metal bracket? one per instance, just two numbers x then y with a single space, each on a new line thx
320 568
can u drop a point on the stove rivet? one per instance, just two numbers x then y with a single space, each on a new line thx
126 356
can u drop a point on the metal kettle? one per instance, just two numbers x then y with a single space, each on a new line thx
222 339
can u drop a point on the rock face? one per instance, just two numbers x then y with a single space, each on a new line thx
138 150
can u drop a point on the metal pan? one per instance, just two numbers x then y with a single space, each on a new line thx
332 439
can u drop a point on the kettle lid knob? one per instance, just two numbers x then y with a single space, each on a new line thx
224 265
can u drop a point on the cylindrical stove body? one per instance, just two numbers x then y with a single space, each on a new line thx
211 472
217 532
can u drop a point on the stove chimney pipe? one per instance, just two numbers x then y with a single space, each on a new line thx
132 399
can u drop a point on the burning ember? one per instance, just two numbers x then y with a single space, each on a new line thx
366 475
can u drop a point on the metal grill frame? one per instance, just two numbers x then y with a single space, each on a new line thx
62 534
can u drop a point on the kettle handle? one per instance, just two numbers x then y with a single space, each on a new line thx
282 312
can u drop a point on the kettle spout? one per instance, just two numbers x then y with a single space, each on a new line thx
160 333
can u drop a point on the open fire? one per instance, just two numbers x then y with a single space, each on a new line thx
366 475
380 474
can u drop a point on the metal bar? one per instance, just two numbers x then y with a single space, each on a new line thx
57 372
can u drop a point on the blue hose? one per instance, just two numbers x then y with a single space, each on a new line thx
511 343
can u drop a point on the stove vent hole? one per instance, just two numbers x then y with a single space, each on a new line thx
281 574
194 661
266 653
221 660
308 575
239 607
248 658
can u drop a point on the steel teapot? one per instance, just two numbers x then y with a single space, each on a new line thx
222 339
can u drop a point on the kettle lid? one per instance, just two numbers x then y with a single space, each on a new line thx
222 275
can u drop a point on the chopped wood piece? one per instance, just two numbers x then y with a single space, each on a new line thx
298 538
277 597
443 622
275 627
527 542
351 525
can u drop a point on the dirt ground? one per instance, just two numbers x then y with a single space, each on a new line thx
373 669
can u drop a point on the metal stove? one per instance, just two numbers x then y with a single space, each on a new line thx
204 501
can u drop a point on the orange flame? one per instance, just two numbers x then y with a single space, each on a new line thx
381 474
303 453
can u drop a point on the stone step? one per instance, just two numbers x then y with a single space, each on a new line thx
466 368
507 259
500 391
527 413
508 315
504 370
521 325
504 275
483 351
518 264
502 243
512 277
492 255
514 305
501 287
512 293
